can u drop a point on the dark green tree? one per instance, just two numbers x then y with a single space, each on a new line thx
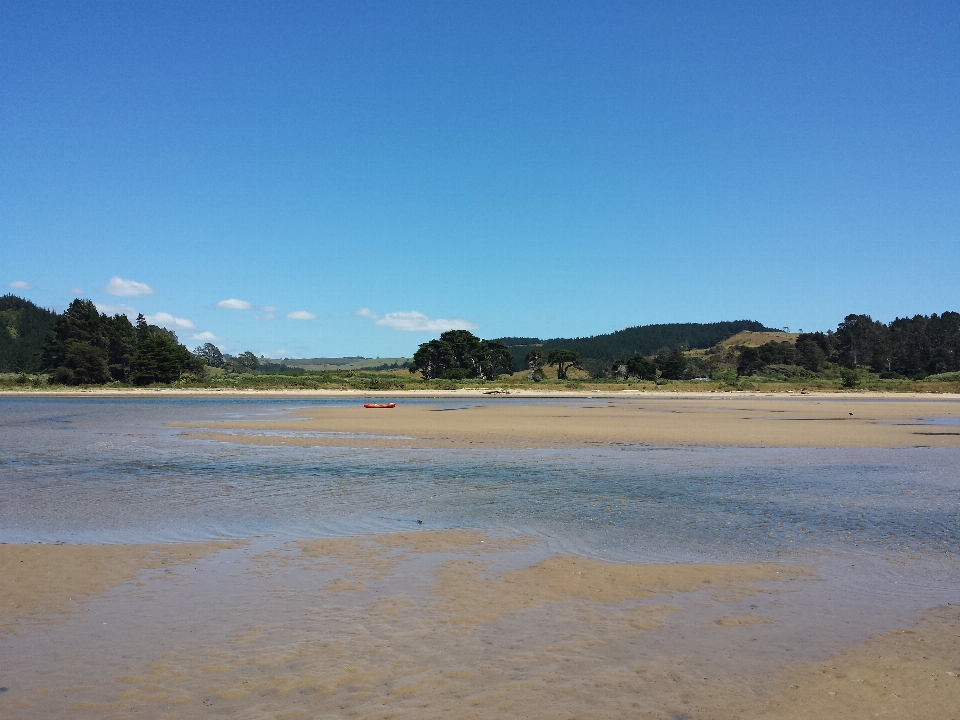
121 345
534 360
642 367
494 359
159 359
810 353
210 355
672 364
750 362
76 350
861 342
23 328
564 360
432 359
461 355
245 362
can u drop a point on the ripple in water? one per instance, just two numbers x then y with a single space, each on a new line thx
91 470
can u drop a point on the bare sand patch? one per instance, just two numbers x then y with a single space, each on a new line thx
721 421
39 580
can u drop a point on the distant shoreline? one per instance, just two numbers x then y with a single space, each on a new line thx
474 393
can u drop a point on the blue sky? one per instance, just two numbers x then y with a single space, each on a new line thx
324 178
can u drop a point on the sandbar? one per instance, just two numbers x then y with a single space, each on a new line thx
837 422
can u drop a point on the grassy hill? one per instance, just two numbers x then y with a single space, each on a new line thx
644 339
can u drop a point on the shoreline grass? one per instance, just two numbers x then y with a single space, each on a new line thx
374 381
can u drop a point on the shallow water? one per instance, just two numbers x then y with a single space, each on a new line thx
879 530
111 470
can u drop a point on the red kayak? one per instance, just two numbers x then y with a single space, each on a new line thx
380 405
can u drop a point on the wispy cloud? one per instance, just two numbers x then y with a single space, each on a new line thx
118 287
414 321
205 336
170 322
269 309
234 304
21 285
77 291
118 309
301 315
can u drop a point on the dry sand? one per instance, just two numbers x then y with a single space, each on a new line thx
721 420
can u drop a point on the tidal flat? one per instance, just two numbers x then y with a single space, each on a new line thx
643 557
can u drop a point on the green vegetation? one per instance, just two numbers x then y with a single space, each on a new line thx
210 355
599 351
23 328
564 360
85 347
461 355
41 350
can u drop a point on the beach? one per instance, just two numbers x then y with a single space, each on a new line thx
509 613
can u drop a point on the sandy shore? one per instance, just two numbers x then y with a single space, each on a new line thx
443 624
758 421
665 391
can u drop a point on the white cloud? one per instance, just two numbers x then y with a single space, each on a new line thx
301 315
170 322
367 313
268 316
205 336
119 309
77 291
414 321
234 304
118 287
269 309
21 285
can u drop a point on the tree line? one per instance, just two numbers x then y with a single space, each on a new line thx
87 347
912 348
906 348
461 355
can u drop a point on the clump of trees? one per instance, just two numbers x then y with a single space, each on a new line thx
86 347
561 357
461 355
210 355
245 362
667 364
914 348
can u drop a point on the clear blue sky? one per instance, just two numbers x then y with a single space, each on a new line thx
521 168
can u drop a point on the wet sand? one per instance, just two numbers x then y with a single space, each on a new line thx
470 625
453 624
839 422
46 581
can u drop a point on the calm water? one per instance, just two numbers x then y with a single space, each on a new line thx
94 470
